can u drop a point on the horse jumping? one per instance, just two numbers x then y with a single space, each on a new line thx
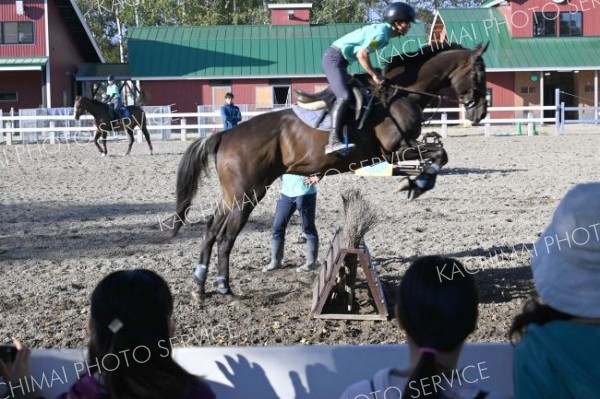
249 157
104 123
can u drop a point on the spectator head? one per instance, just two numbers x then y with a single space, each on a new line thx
429 303
437 313
132 309
110 78
566 261
229 96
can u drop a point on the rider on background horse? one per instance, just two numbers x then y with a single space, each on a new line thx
356 46
114 96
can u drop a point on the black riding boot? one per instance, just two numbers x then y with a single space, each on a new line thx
337 126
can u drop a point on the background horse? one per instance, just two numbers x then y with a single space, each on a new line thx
252 155
104 123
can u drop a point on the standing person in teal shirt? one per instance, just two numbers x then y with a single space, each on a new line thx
559 348
114 96
356 46
297 192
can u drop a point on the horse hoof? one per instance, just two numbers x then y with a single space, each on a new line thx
103 155
198 295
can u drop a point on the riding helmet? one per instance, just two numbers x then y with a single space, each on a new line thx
400 12
110 77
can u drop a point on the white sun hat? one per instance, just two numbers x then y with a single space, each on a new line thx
566 260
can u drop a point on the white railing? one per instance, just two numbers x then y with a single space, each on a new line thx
186 125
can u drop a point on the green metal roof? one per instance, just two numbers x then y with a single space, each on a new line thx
242 51
98 71
22 63
469 27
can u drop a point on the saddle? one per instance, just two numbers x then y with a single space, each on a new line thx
323 100
123 113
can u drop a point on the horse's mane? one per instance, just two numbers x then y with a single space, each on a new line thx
92 100
426 52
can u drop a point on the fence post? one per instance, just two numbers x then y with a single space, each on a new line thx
530 124
52 135
9 132
444 125
562 117
557 112
1 128
487 129
183 129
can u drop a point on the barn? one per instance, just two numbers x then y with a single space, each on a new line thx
535 47
260 64
42 45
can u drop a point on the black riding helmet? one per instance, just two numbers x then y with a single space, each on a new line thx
110 77
400 12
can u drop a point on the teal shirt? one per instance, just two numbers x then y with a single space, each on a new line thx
113 89
294 186
372 37
558 360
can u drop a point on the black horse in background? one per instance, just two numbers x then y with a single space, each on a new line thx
105 123
252 155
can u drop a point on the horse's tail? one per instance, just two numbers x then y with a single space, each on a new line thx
193 164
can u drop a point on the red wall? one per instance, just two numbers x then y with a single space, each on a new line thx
503 86
521 21
280 16
34 11
28 85
64 59
188 94
184 94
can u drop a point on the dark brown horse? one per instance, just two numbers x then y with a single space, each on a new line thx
252 155
104 123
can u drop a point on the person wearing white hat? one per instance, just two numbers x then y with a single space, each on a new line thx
559 332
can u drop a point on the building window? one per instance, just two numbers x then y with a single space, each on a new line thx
16 33
571 24
8 96
544 23
527 90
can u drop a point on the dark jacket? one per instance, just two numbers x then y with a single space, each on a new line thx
231 115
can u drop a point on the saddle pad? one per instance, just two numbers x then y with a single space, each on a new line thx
311 117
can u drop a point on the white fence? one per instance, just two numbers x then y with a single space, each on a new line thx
166 125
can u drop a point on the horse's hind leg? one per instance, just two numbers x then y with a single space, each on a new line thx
96 137
130 133
147 136
226 238
214 225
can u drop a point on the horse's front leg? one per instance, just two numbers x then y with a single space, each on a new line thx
104 143
435 158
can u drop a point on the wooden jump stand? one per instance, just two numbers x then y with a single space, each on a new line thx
328 285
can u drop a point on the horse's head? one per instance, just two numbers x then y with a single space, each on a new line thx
469 82
79 108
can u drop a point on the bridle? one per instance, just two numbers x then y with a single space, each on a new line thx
471 103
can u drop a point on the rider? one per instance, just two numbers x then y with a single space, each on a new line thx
114 95
356 46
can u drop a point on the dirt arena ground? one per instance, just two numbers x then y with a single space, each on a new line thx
68 217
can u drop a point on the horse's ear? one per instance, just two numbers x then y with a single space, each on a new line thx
480 49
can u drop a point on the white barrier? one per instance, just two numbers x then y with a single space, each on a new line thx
178 122
302 372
